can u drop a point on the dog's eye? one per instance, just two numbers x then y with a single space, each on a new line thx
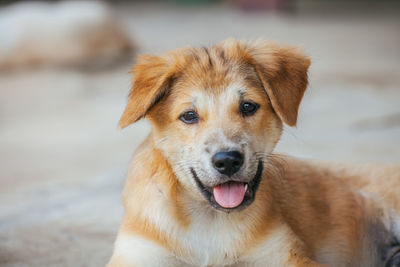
248 108
189 117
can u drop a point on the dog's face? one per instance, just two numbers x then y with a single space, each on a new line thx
217 113
216 129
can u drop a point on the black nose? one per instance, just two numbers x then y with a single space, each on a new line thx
228 163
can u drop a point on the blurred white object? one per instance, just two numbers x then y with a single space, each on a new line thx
66 33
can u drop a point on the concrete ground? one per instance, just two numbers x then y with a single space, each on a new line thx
63 160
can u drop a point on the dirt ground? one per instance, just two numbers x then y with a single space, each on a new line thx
63 160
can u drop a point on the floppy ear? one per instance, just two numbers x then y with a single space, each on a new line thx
152 75
283 72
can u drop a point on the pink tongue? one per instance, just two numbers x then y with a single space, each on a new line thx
229 195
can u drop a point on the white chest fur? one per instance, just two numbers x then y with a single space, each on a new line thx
212 239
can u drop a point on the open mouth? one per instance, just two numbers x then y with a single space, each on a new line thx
231 195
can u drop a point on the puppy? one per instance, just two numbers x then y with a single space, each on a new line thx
205 189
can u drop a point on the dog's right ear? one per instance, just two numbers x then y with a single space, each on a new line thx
152 77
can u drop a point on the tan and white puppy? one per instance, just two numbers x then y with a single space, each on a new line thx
205 189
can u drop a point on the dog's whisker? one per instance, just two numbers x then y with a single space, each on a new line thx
186 163
162 140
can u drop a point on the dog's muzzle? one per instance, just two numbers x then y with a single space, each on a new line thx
231 195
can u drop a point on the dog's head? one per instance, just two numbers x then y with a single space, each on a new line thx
217 112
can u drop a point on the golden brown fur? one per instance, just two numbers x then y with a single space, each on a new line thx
304 213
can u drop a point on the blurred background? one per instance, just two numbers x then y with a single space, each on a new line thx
64 82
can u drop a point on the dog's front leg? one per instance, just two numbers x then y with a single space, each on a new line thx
135 251
290 258
280 248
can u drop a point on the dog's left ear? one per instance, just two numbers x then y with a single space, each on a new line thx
283 72
152 77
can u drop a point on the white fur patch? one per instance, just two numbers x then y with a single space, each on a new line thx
275 250
137 251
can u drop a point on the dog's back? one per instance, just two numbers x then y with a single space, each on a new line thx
365 195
